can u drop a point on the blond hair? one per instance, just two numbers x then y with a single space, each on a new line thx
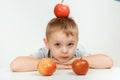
66 25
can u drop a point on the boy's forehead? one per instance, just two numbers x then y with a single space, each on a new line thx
61 33
61 36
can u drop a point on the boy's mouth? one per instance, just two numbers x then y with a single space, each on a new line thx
64 57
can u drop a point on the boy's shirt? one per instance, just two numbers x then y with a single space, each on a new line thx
44 52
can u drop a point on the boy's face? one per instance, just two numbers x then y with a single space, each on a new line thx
62 47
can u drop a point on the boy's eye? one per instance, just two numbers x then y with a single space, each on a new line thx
70 44
57 44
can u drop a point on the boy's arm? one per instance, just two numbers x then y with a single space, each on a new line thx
29 63
97 61
24 63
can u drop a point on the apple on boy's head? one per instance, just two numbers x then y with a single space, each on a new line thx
61 10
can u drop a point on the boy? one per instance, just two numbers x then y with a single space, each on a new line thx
61 45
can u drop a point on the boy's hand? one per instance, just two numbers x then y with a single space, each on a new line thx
63 66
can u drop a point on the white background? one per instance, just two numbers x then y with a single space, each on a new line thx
23 23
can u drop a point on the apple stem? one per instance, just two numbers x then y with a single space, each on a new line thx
62 1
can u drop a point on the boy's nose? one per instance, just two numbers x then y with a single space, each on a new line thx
64 49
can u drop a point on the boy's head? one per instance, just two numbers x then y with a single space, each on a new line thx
61 38
65 25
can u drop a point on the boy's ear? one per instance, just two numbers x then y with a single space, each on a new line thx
46 42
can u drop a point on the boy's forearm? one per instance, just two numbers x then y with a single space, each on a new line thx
99 61
24 63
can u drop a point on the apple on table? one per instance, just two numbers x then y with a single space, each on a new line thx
46 67
80 66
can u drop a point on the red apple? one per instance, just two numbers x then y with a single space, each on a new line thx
80 66
61 10
46 67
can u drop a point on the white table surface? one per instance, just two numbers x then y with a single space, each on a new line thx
92 74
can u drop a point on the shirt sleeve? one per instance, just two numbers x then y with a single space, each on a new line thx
81 51
41 53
